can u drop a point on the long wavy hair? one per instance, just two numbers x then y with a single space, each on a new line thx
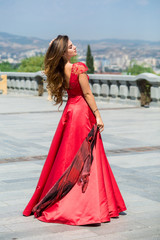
54 63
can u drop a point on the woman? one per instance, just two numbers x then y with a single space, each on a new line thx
76 185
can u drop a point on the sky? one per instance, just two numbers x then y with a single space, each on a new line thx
82 19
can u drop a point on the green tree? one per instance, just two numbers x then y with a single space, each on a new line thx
8 67
89 60
135 69
32 64
36 63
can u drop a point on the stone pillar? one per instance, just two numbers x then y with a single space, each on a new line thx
96 89
18 85
104 90
155 95
34 86
22 86
113 92
134 93
123 92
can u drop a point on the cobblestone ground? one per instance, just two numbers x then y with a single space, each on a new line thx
132 143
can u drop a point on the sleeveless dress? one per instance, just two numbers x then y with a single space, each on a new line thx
101 199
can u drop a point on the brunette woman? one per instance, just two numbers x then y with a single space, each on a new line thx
76 185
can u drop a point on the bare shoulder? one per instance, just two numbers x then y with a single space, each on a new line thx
67 70
68 67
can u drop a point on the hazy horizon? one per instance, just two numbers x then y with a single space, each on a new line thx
101 39
82 20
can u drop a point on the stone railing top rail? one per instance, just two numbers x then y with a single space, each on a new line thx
24 74
150 77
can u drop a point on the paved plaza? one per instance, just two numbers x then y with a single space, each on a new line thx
132 143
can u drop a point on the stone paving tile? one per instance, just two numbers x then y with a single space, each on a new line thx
132 149
136 234
13 195
3 204
16 186
4 229
16 219
149 233
25 104
148 159
108 152
24 130
20 159
19 180
136 204
41 235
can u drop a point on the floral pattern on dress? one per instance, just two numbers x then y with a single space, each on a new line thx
79 68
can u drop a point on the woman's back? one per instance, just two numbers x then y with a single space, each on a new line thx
74 88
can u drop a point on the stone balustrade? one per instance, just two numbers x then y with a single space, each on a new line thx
105 87
125 88
25 83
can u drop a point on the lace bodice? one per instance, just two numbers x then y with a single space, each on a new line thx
74 86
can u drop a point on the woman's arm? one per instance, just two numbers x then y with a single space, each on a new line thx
84 83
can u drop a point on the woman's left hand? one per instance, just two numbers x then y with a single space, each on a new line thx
51 41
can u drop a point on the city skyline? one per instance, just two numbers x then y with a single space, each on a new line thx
110 55
84 20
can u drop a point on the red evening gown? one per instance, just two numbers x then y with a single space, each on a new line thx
102 198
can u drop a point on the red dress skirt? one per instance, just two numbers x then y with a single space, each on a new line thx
58 194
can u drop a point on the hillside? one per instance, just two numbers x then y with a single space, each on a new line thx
16 47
